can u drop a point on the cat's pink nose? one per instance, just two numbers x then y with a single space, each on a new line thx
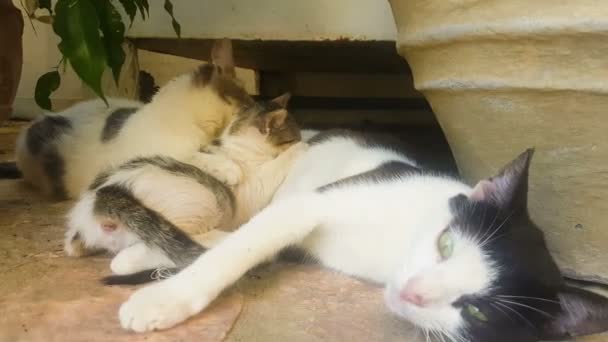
407 295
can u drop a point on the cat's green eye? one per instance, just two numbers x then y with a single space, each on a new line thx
445 244
474 312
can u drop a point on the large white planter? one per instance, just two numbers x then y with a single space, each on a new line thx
504 75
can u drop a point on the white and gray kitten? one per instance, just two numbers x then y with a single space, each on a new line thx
61 153
465 263
166 203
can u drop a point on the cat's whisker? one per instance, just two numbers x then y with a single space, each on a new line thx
495 238
532 298
501 310
527 306
487 231
517 313
449 336
487 240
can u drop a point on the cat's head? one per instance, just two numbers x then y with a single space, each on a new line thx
265 128
483 272
212 93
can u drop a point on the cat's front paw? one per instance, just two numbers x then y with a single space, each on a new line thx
156 307
231 175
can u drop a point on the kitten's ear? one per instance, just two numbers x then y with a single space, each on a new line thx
221 55
582 313
282 100
272 120
509 188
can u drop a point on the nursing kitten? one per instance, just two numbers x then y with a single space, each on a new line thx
465 263
164 203
62 153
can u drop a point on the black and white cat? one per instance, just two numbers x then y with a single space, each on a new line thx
465 263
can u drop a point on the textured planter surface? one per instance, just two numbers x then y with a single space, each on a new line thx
11 56
504 75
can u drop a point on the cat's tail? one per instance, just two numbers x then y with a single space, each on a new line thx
9 170
141 277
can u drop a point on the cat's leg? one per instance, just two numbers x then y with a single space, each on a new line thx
166 303
218 166
139 257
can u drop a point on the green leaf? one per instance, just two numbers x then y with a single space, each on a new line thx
141 7
130 8
77 24
146 6
176 26
46 4
46 85
113 31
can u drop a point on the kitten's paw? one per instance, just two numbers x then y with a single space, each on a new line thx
157 307
230 173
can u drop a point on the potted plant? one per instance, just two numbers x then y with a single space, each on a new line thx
505 75
92 34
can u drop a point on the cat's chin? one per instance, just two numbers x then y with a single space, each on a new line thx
428 318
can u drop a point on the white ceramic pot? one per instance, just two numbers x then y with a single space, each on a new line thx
504 75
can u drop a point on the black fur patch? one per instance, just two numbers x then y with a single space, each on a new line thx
54 168
388 171
44 132
141 277
223 192
9 170
115 121
40 139
528 274
118 202
203 75
147 86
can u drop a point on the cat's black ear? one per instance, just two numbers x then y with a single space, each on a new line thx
221 55
582 313
509 188
282 100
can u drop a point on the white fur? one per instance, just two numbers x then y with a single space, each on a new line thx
139 257
386 233
245 160
180 119
81 221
